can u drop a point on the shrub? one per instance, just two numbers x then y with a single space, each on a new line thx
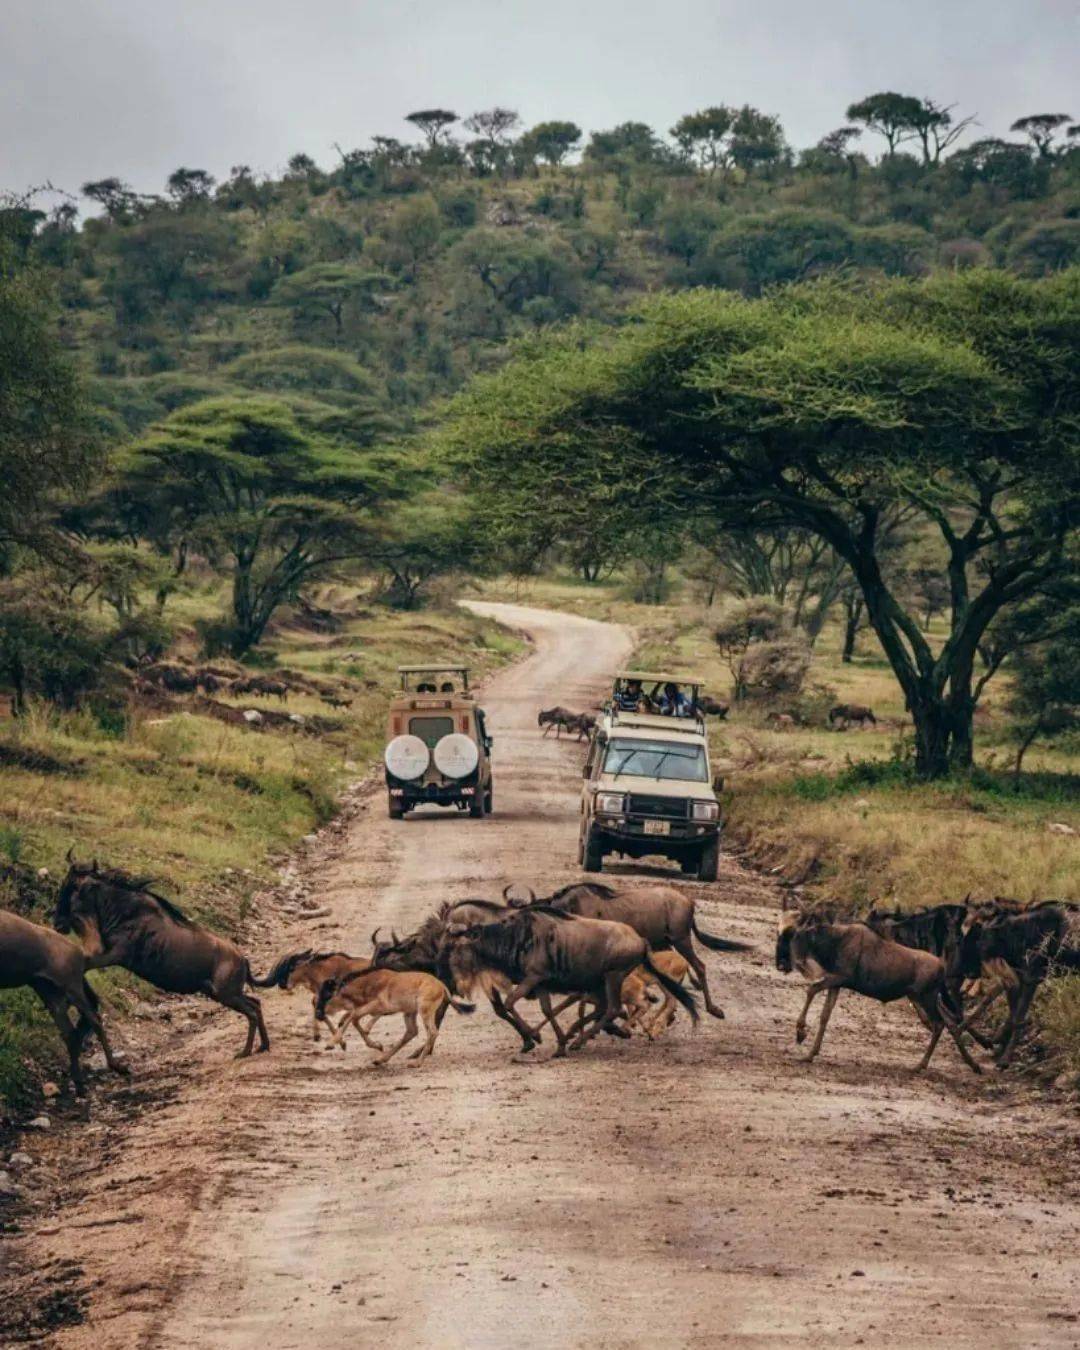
772 670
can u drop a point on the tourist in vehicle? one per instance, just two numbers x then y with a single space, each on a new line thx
674 703
629 697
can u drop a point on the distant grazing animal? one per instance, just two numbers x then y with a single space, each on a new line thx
782 720
661 914
55 969
310 970
382 993
545 952
175 678
844 714
260 686
119 921
336 701
712 707
835 956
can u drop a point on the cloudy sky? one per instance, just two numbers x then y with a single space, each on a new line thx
90 88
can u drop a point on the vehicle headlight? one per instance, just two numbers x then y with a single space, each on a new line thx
705 811
611 803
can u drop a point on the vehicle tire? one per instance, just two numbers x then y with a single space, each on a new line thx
489 800
592 855
396 810
709 865
690 862
476 806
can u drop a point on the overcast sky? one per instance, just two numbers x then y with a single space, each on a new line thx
90 88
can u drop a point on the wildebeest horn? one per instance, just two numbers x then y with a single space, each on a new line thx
375 938
506 894
394 937
70 855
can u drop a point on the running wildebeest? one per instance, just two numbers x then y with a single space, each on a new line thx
310 970
545 951
712 707
661 914
937 929
835 956
55 969
561 718
118 921
382 993
844 714
1019 948
426 950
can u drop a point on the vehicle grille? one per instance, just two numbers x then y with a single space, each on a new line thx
669 808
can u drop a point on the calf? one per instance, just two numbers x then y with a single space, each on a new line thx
835 956
635 994
382 993
310 970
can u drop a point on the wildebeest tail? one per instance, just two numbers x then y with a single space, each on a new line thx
276 975
674 988
718 944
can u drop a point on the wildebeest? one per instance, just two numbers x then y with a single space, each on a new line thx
382 993
662 915
119 921
55 969
545 951
844 714
712 707
261 686
1019 948
561 718
310 970
937 929
425 950
835 956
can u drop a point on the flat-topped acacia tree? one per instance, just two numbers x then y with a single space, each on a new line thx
241 482
832 407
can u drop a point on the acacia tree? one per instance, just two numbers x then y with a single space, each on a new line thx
829 407
326 288
935 129
433 122
244 485
703 137
1040 129
893 116
553 141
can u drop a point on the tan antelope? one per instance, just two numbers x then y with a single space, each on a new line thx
379 993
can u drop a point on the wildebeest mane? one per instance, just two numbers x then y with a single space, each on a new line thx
597 887
120 880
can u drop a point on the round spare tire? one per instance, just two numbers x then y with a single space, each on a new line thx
407 757
456 755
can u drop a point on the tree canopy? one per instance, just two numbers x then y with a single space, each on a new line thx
833 408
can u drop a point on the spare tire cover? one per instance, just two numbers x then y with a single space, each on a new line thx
407 757
456 755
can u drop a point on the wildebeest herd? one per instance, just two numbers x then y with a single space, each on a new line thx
612 959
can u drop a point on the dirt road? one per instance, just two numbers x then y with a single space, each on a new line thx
706 1190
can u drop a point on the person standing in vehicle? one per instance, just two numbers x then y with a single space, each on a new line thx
674 703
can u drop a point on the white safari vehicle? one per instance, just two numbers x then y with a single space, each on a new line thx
438 750
648 788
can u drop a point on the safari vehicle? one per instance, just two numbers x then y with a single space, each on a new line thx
438 750
648 788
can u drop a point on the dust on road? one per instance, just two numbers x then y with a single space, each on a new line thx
709 1189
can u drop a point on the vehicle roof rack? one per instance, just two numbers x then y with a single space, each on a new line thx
657 677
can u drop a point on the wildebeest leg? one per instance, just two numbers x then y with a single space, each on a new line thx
811 993
530 1038
607 1009
826 1013
57 1006
662 1018
410 1034
935 1036
522 990
365 1033
250 1008
685 947
977 1013
550 1013
90 1020
1018 1022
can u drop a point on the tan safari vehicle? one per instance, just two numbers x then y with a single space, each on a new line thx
438 750
648 788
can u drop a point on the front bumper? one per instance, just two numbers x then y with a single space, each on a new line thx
642 834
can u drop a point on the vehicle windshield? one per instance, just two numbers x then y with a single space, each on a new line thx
431 730
657 759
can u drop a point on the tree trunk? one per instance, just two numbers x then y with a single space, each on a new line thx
851 632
